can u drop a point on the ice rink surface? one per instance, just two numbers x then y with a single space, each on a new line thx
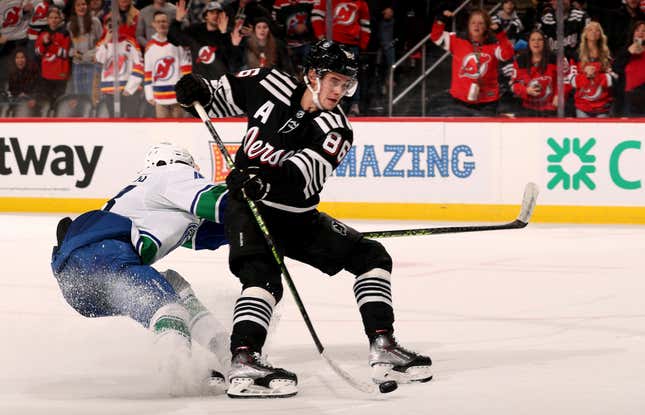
545 320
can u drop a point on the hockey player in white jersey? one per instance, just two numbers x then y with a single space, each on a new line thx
103 259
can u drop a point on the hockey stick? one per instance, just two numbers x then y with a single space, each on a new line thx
528 204
357 384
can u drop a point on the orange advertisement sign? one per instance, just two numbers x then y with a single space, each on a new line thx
220 169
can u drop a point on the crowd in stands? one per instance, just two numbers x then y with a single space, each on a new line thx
56 56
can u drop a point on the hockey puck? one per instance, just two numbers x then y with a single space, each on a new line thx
387 387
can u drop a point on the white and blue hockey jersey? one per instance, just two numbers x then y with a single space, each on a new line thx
170 206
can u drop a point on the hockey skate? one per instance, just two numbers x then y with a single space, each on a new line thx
389 361
251 378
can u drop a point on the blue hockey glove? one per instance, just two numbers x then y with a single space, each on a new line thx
248 182
191 88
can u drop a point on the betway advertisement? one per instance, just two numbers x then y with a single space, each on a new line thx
433 163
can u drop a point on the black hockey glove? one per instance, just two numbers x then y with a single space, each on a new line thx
248 182
191 88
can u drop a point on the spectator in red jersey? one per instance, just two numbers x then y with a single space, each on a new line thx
592 76
630 66
85 32
263 50
53 46
351 27
535 79
128 19
475 60
24 78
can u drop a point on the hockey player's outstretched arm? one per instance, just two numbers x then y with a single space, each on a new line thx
223 97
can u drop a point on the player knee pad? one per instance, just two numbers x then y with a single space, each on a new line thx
260 272
368 255
171 318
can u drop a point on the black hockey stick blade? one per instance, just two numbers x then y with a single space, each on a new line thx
528 205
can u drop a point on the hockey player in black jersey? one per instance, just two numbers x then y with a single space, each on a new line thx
297 134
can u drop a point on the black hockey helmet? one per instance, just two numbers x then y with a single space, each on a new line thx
327 56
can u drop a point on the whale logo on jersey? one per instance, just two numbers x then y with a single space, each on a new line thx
11 17
345 13
164 68
299 18
206 55
589 94
475 65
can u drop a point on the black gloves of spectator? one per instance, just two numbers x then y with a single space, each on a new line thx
248 182
191 88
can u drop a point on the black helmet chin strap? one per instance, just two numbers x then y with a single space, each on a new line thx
314 93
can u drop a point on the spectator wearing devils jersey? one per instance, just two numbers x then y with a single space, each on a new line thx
128 70
53 46
351 27
475 60
14 20
38 18
535 78
165 64
214 52
592 76
350 24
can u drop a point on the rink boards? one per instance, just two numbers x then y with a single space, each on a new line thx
418 169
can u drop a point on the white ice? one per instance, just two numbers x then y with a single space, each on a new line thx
545 320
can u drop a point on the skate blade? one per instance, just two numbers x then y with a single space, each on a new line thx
246 389
415 374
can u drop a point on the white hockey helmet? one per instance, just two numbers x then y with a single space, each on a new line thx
168 153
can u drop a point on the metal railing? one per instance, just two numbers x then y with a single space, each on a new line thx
392 100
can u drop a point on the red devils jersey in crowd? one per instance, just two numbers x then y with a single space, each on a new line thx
473 63
212 52
531 76
53 49
350 25
290 14
298 150
38 20
13 20
593 95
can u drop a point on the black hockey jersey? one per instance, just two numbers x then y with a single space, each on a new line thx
296 150
212 52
